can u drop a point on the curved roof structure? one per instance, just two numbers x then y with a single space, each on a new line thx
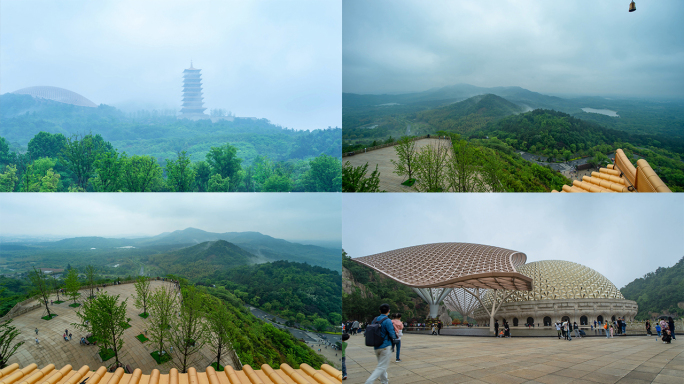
452 265
464 302
57 94
558 279
267 375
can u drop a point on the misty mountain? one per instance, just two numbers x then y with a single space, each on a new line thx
470 114
266 247
203 259
458 92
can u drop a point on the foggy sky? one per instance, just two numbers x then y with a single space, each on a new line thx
621 236
570 47
311 216
265 59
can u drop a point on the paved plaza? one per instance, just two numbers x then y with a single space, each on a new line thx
54 350
389 181
454 359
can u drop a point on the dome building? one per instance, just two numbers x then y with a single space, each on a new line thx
56 94
562 290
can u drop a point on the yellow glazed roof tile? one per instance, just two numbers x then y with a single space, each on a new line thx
30 374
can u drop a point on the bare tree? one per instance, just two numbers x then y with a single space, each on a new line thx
41 288
90 276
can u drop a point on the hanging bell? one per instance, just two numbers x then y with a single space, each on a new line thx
632 6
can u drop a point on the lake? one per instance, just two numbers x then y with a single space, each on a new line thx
606 112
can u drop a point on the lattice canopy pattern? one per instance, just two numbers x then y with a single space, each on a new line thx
452 265
57 94
558 279
463 302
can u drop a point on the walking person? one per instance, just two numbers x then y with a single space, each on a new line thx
399 330
345 337
558 329
496 328
576 328
648 328
611 331
605 328
36 331
439 327
671 327
382 352
658 329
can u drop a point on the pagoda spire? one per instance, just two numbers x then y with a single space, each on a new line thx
192 92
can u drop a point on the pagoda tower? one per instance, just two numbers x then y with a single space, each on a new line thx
192 92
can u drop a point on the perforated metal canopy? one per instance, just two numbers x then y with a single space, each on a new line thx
452 265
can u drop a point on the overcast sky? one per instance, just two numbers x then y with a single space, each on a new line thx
621 236
311 216
268 59
574 47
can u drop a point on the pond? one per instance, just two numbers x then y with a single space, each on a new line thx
606 112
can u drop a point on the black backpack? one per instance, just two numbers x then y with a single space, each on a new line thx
375 336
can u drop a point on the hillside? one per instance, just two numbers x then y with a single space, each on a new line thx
658 293
267 247
560 136
295 291
364 290
469 115
160 136
202 259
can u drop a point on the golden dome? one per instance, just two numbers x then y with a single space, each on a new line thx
558 280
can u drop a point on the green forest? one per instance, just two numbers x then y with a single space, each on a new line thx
363 304
161 136
297 292
46 146
87 163
257 342
658 293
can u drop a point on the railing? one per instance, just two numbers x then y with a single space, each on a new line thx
352 153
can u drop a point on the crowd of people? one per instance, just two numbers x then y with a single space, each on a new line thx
665 329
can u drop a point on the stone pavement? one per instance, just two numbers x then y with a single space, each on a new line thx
453 359
54 350
389 181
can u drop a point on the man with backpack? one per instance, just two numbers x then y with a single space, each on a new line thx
379 335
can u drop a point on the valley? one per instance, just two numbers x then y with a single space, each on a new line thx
557 134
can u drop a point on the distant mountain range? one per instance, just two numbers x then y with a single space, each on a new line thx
453 93
260 246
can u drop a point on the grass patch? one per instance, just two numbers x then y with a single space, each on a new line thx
126 326
144 315
58 301
219 369
160 359
142 338
49 317
409 182
74 305
106 354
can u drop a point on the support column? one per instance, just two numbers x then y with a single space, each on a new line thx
433 296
